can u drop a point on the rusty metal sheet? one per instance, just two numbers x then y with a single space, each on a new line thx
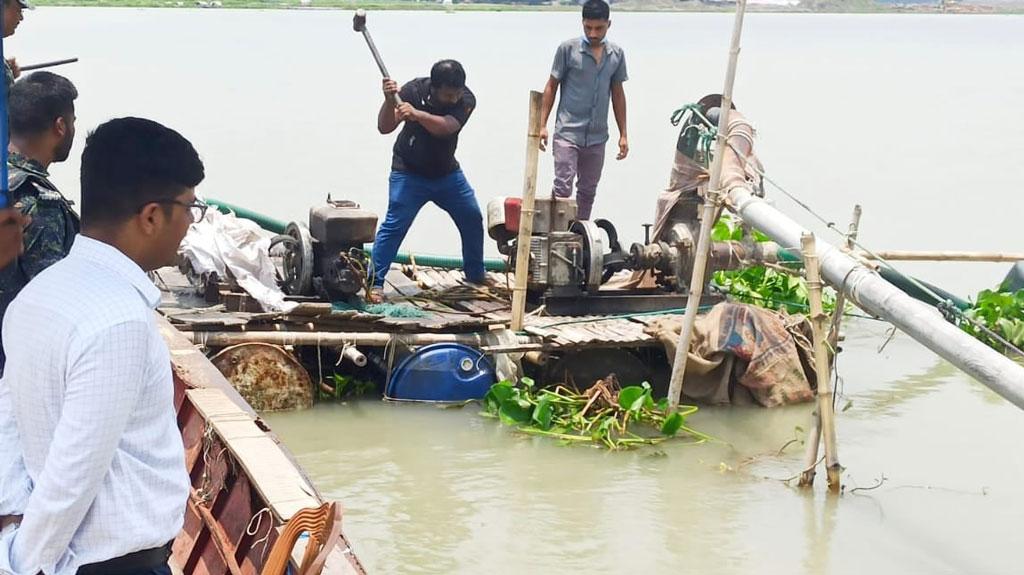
267 376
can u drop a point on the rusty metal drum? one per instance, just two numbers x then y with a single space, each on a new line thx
267 376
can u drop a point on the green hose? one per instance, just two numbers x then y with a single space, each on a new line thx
277 226
906 284
443 262
266 222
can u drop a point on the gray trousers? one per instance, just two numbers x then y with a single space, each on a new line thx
583 164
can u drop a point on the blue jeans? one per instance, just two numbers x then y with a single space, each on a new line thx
407 193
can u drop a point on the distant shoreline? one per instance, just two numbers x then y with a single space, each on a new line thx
820 7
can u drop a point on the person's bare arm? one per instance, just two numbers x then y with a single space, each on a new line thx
439 126
547 103
619 108
387 116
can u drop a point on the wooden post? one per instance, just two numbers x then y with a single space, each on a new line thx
527 212
814 433
711 200
819 323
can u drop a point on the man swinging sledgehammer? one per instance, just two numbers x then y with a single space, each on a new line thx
423 168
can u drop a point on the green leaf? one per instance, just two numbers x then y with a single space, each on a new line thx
527 382
672 424
511 413
499 392
502 391
632 397
648 400
604 429
543 412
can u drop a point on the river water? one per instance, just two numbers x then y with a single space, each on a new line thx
917 118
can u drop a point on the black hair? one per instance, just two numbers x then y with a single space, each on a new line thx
37 100
131 162
447 74
596 10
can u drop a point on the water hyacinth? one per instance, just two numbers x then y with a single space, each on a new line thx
605 414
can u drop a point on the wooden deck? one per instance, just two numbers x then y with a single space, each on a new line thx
436 296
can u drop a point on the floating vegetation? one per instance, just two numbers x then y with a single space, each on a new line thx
345 387
1000 311
768 287
605 414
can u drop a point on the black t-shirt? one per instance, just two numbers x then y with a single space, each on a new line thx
417 150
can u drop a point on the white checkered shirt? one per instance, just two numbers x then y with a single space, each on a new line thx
89 383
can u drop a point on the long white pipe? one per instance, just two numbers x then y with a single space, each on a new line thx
876 296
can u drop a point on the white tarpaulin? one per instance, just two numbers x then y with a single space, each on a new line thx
237 248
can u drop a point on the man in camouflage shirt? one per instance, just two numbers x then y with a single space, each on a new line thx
42 121
12 17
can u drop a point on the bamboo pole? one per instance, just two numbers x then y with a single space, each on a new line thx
837 314
819 324
945 256
811 453
330 338
526 213
711 204
814 434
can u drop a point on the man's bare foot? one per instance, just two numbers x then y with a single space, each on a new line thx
376 295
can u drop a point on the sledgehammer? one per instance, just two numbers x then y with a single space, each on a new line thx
359 25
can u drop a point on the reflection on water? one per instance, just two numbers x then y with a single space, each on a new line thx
448 491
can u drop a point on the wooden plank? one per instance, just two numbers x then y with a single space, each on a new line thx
398 282
425 279
440 281
283 489
308 309
224 556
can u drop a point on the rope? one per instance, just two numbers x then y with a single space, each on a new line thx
252 531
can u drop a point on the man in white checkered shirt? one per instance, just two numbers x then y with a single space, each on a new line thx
88 377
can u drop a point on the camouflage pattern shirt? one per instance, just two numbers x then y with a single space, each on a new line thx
47 239
8 77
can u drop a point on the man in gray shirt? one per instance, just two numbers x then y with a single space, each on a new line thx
590 71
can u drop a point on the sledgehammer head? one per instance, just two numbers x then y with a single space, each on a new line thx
359 20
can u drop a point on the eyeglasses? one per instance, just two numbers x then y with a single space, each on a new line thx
196 209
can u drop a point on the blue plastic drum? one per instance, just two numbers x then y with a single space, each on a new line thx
442 372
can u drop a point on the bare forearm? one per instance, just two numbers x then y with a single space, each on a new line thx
387 120
547 102
619 108
439 126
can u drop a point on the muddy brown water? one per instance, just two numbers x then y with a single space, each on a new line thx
916 117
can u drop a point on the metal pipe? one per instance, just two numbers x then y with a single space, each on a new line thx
870 292
353 354
675 389
359 25
537 358
4 134
50 64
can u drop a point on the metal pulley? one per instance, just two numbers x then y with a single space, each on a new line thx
594 248
297 259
